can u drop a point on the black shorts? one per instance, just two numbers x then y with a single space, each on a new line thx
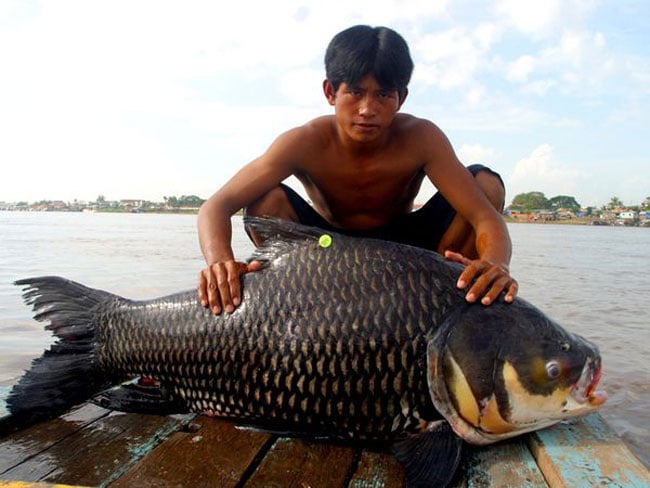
423 227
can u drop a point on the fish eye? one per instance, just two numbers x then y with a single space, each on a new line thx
553 369
565 346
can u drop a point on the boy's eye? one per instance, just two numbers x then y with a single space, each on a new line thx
384 95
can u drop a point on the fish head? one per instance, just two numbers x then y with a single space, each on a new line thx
500 371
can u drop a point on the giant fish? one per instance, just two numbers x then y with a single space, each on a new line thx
337 337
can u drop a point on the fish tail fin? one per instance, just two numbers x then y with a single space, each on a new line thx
67 373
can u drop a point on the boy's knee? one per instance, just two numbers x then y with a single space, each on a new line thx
492 186
273 204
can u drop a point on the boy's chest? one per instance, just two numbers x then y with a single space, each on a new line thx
364 182
364 173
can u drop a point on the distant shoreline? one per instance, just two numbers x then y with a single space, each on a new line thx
190 211
194 211
591 221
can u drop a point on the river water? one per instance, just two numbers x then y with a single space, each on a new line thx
593 280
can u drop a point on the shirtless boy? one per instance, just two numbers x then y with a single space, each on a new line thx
362 168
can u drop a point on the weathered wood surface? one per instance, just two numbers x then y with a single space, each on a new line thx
587 453
91 446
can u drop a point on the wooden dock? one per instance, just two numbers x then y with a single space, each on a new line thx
91 446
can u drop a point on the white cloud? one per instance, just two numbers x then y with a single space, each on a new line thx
540 171
453 57
542 19
539 87
303 87
521 68
531 17
476 153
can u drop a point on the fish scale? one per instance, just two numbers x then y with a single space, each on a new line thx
311 364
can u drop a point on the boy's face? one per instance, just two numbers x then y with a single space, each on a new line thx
363 111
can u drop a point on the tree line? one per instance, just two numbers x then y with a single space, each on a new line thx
186 201
536 200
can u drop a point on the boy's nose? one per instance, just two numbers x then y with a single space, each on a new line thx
367 107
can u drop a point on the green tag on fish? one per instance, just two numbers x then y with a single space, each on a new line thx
325 241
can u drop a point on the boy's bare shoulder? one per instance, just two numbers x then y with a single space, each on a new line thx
320 127
315 131
411 123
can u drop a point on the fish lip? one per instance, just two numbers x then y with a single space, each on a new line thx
584 391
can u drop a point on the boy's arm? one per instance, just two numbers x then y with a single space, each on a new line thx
490 273
219 283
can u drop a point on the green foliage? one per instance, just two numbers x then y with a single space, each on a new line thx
536 200
527 202
564 201
615 202
187 201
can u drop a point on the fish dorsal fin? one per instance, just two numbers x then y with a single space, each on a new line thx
280 236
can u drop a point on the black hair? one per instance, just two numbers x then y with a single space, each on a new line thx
364 50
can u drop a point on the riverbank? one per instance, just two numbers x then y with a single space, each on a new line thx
578 221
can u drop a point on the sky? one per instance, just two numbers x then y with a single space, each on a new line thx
147 99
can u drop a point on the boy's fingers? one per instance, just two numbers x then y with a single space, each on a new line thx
220 286
493 293
512 291
457 258
469 273
224 283
201 289
489 281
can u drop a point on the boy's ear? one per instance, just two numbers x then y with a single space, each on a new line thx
328 90
402 97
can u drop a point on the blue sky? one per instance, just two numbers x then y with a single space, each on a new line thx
146 99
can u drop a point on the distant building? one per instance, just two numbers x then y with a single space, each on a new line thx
628 217
131 204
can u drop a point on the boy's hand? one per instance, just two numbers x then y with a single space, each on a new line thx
490 279
220 286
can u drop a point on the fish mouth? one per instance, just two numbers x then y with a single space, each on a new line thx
585 392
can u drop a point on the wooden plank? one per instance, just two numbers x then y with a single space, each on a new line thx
301 463
586 452
19 446
100 451
209 452
27 484
377 470
507 464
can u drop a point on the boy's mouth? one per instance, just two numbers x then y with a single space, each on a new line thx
364 127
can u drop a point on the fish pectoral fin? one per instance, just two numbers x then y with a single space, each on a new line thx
141 397
430 458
